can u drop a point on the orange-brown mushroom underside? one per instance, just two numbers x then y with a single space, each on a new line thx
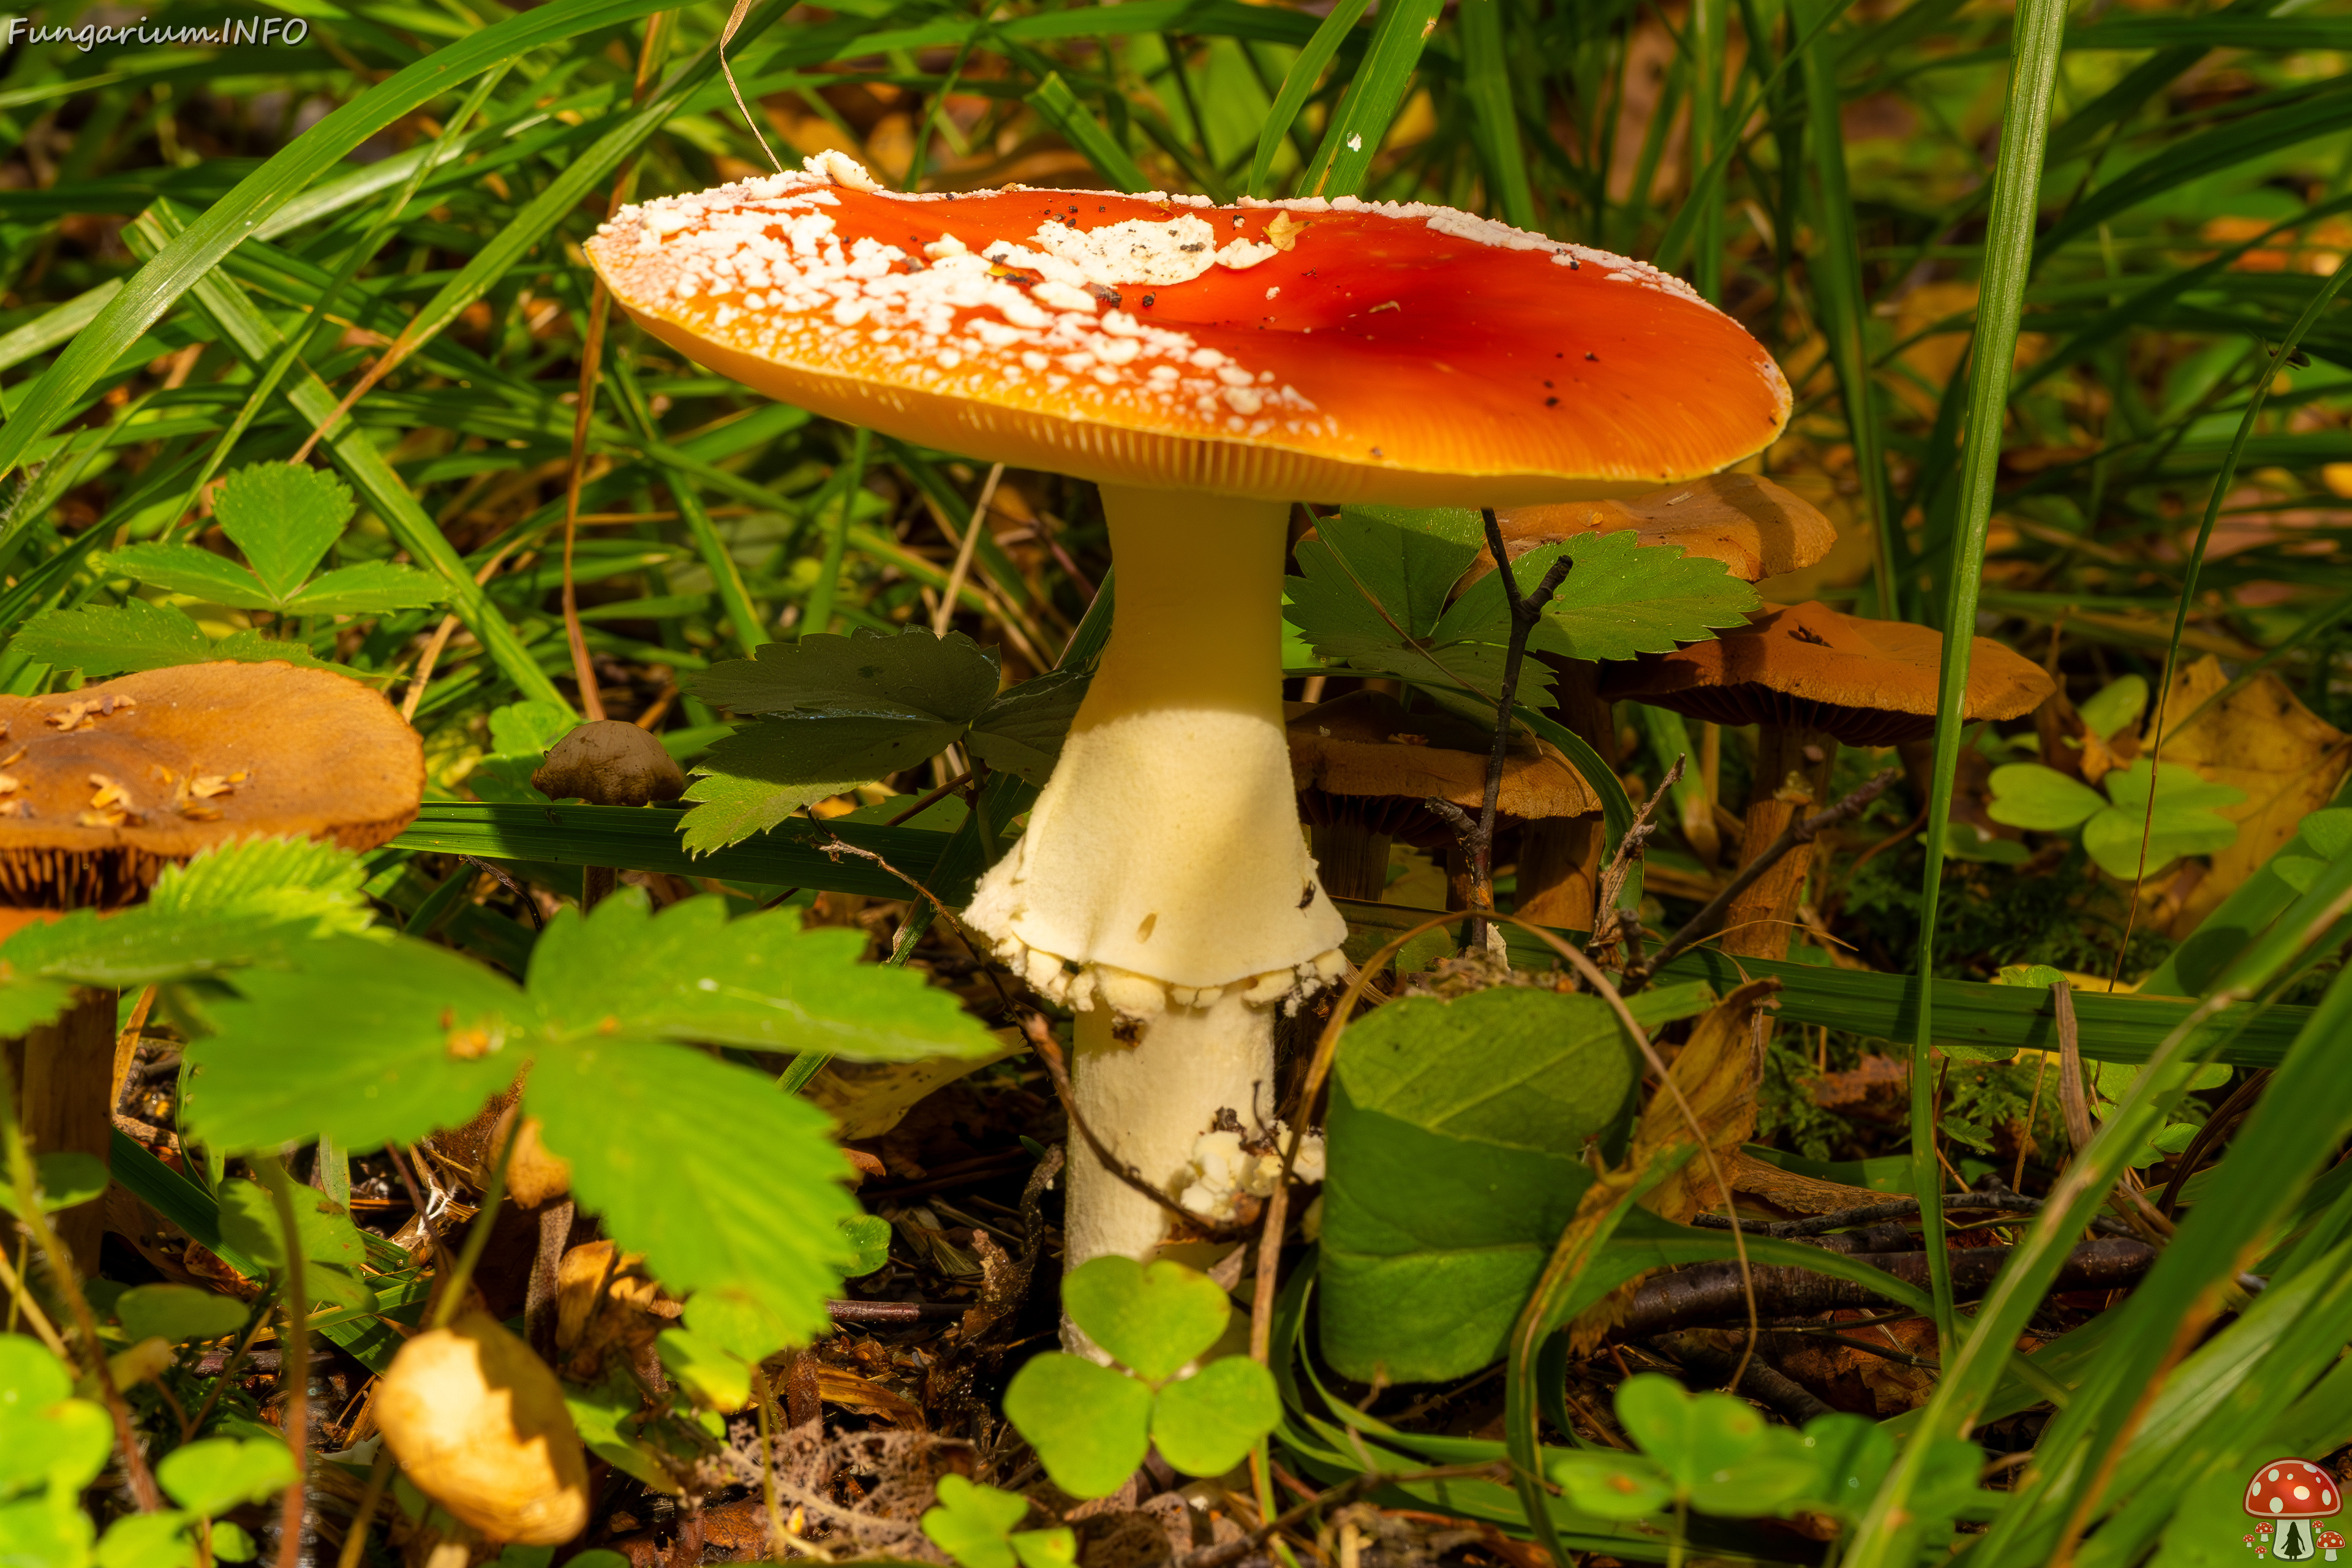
100 787
1361 352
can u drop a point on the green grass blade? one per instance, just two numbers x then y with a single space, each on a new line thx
227 223
1488 84
1361 121
355 453
2008 256
1060 107
1298 86
1834 267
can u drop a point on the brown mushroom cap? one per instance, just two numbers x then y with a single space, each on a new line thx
608 762
1756 528
1364 751
1325 350
1866 683
103 786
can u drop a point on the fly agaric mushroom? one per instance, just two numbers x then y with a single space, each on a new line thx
2330 1543
100 788
1756 529
1207 366
2290 1493
1810 679
1364 769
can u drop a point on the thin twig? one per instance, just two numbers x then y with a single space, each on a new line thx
1527 614
1800 830
1227 1553
355 1535
964 547
1049 1050
1897 1208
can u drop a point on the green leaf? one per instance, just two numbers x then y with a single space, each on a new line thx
1021 731
762 982
970 1523
1088 1424
1060 107
1206 1423
2116 707
913 676
1620 598
870 1235
285 519
47 1531
190 569
2029 796
112 640
605 1416
656 1135
47 1438
67 1179
421 1040
232 1544
1046 1548
164 1539
1153 1319
520 734
2183 823
115 639
371 588
760 775
249 1222
214 1474
1850 1457
1456 1134
1716 1450
1607 1485
177 1313
715 1378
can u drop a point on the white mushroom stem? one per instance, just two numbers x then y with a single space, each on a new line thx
1163 888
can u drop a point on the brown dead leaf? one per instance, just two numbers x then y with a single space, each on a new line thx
2259 738
534 1172
1794 1194
869 1098
1714 1071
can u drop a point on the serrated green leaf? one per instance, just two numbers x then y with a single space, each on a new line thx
1089 1425
114 639
2029 796
521 735
760 775
1021 731
692 973
656 1135
212 1475
177 1313
1153 1319
295 880
371 588
1620 598
605 1416
421 1037
190 569
970 1523
284 517
28 1002
1206 1423
913 676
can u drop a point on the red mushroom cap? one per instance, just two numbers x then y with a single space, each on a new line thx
1297 349
2292 1489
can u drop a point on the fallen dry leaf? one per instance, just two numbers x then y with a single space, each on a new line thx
2258 739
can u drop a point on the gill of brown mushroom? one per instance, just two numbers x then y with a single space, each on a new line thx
1756 529
1809 679
1366 769
107 785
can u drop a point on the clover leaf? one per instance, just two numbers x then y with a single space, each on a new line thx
1091 1424
973 1524
2185 820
